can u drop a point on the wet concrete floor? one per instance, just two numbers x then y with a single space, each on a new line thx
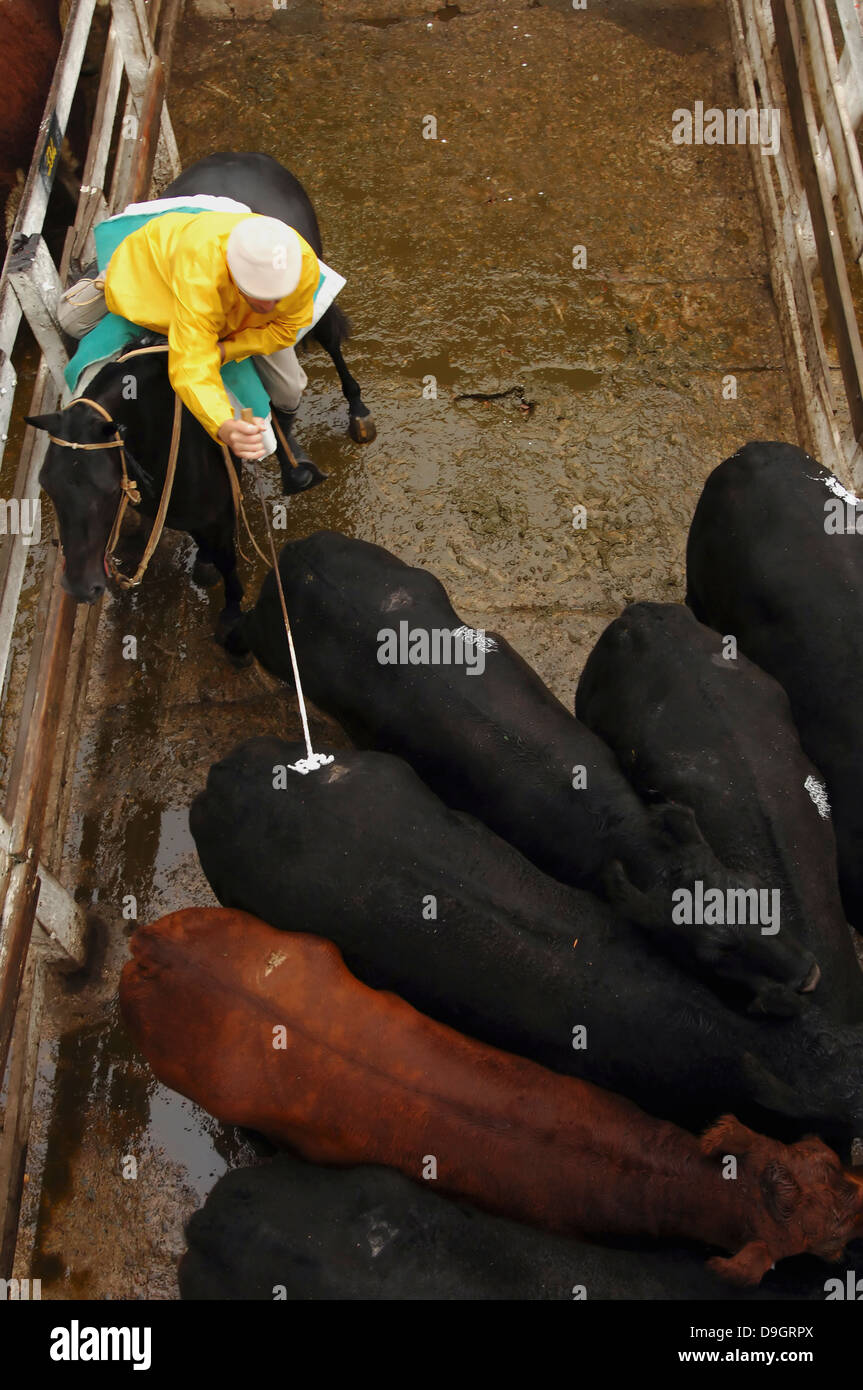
553 131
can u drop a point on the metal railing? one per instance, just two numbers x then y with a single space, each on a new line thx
145 158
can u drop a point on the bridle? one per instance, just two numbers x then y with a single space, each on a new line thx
129 490
126 483
130 493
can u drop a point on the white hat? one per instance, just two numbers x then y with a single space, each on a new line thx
264 257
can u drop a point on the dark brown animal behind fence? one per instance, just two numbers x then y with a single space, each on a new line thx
29 45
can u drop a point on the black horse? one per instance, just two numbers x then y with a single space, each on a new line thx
85 485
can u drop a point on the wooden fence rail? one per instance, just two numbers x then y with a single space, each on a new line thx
145 158
811 199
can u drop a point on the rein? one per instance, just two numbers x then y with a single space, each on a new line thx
233 479
312 760
129 491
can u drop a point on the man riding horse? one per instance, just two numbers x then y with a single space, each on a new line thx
222 286
227 265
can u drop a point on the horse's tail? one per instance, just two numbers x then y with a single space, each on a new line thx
333 328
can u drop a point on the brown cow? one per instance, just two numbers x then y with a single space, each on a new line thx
269 1030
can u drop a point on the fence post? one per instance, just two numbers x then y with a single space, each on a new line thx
36 283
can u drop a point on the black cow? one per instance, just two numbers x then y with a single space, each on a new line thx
690 725
767 563
427 902
499 745
84 486
289 1230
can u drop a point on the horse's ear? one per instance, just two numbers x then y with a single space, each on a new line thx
111 428
51 423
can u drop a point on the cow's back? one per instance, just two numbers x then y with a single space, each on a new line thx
498 745
692 725
762 566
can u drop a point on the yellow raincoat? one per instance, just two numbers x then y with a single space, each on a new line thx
172 276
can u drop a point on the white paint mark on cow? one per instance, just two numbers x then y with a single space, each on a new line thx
274 960
400 599
476 639
380 1234
311 764
833 485
818 794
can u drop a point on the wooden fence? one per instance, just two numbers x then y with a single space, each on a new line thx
804 59
132 152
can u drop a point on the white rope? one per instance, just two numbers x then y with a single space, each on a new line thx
312 760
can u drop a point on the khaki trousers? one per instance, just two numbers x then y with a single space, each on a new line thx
283 377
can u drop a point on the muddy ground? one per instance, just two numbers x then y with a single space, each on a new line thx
554 130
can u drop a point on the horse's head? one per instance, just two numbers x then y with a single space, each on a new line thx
85 485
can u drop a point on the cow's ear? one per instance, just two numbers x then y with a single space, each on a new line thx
814 1147
51 423
678 823
747 1268
767 1090
726 1136
623 895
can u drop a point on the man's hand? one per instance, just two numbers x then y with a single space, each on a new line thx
243 438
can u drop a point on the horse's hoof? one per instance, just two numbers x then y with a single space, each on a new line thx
204 575
239 660
301 478
226 624
236 652
361 429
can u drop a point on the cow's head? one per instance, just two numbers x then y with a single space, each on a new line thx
802 1200
771 969
85 486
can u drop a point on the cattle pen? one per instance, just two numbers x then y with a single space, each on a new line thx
555 304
